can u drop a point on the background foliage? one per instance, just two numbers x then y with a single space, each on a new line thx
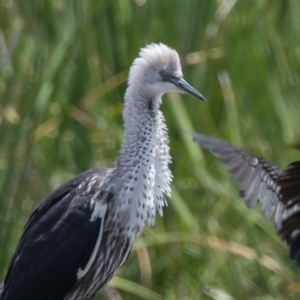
63 71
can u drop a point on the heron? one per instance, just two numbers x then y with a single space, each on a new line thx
82 233
258 179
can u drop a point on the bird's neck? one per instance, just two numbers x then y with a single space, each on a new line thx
141 174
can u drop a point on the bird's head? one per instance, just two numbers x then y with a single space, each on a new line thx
157 70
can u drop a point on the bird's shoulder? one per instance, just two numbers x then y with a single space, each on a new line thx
77 190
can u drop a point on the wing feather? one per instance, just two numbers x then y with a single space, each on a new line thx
288 222
58 241
260 180
256 178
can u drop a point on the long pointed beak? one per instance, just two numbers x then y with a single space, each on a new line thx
183 85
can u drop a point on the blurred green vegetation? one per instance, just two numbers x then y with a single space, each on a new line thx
63 71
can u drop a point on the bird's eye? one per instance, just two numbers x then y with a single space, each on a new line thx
163 75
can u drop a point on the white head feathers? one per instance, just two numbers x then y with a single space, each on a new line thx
155 57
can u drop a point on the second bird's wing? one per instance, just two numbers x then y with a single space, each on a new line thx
288 214
260 180
256 178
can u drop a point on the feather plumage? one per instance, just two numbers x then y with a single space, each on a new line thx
259 180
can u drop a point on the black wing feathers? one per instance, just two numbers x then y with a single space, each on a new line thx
290 185
290 197
58 239
62 191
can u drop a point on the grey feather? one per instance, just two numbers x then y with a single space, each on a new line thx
260 180
256 178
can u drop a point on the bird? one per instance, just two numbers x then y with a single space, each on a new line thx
258 179
82 233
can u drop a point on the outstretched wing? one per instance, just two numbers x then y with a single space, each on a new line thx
58 242
256 178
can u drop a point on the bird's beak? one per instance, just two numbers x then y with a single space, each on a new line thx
186 87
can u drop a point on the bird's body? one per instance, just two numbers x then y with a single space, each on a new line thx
83 232
260 180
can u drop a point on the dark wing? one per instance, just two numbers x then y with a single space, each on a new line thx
63 190
256 178
288 220
58 241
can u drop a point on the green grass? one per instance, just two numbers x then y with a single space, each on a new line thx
63 71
